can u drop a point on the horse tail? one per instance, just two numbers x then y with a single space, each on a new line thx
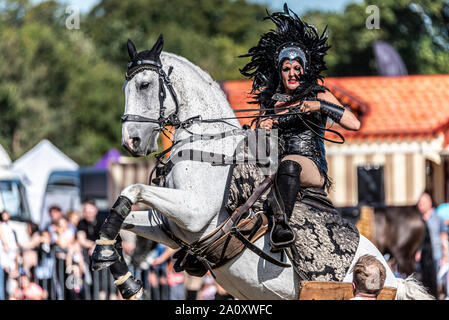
411 289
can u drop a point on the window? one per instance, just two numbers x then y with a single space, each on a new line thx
370 185
13 200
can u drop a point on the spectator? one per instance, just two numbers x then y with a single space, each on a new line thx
437 231
157 275
368 278
88 229
208 289
192 285
73 217
175 282
46 262
55 214
443 275
9 254
65 235
75 270
28 290
31 248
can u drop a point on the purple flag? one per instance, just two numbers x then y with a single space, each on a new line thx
112 155
388 60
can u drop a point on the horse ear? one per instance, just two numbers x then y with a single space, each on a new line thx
157 48
132 51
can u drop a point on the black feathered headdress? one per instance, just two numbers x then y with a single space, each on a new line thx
291 32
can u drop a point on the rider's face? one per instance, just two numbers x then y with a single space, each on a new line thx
291 71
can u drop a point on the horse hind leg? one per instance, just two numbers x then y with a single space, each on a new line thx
130 288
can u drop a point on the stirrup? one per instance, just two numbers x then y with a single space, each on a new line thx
130 288
105 254
277 246
276 210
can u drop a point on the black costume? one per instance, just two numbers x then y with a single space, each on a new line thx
299 134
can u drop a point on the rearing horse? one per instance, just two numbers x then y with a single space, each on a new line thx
190 204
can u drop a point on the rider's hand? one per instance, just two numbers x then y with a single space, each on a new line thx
267 123
310 106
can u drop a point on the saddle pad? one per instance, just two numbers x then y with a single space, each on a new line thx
326 243
322 290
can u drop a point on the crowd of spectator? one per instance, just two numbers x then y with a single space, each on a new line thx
54 263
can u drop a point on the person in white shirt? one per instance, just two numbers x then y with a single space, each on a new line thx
9 251
8 244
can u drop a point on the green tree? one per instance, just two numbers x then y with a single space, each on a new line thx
54 85
417 29
210 33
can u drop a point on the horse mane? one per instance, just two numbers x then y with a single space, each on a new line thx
203 74
210 90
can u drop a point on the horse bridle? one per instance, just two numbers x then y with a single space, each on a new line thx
164 82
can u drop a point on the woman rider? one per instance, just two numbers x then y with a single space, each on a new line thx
285 67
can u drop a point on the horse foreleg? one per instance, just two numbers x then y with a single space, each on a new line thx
130 288
146 224
191 210
105 254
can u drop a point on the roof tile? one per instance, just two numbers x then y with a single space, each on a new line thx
395 106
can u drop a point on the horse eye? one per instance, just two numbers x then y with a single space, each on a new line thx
144 85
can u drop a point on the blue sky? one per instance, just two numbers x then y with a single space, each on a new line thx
299 6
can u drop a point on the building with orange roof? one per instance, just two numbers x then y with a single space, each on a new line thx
405 131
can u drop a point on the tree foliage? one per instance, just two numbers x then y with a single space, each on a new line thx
64 85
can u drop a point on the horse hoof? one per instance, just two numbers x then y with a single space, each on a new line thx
130 288
137 296
104 255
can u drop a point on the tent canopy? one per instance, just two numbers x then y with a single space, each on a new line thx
5 160
36 165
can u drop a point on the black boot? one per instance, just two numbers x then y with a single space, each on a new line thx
282 200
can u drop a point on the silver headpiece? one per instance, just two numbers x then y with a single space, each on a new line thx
292 53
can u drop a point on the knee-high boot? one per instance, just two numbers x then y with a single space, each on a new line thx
282 200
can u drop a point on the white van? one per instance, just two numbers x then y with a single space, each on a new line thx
13 199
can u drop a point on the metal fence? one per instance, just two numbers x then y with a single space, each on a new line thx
52 276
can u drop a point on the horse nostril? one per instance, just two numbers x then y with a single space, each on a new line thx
136 142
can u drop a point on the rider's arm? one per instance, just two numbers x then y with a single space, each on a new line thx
337 112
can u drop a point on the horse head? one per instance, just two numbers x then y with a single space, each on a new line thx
146 106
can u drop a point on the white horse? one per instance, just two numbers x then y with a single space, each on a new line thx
191 201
